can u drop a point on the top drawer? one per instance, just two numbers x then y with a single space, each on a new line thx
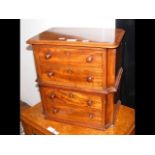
70 56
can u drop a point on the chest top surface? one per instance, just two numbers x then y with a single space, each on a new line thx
89 37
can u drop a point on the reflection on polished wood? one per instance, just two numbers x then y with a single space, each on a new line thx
35 123
91 37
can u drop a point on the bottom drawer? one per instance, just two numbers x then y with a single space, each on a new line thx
76 115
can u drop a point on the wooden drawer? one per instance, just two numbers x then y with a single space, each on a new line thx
73 115
71 56
58 97
78 77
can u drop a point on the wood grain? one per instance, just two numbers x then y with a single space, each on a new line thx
49 37
72 76
70 56
75 115
111 61
62 97
73 69
72 107
105 91
34 117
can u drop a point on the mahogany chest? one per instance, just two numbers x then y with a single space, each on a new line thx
79 72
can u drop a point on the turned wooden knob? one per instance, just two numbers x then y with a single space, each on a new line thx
89 102
90 115
48 55
50 74
90 78
89 59
55 110
52 96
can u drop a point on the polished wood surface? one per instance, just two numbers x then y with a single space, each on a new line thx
76 115
63 97
35 122
70 66
74 107
111 63
105 91
81 62
79 77
90 37
63 55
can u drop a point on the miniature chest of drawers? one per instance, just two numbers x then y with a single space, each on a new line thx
79 71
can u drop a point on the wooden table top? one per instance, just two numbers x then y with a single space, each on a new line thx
125 123
96 37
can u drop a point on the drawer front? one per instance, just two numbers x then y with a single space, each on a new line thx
58 97
78 116
73 76
71 56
